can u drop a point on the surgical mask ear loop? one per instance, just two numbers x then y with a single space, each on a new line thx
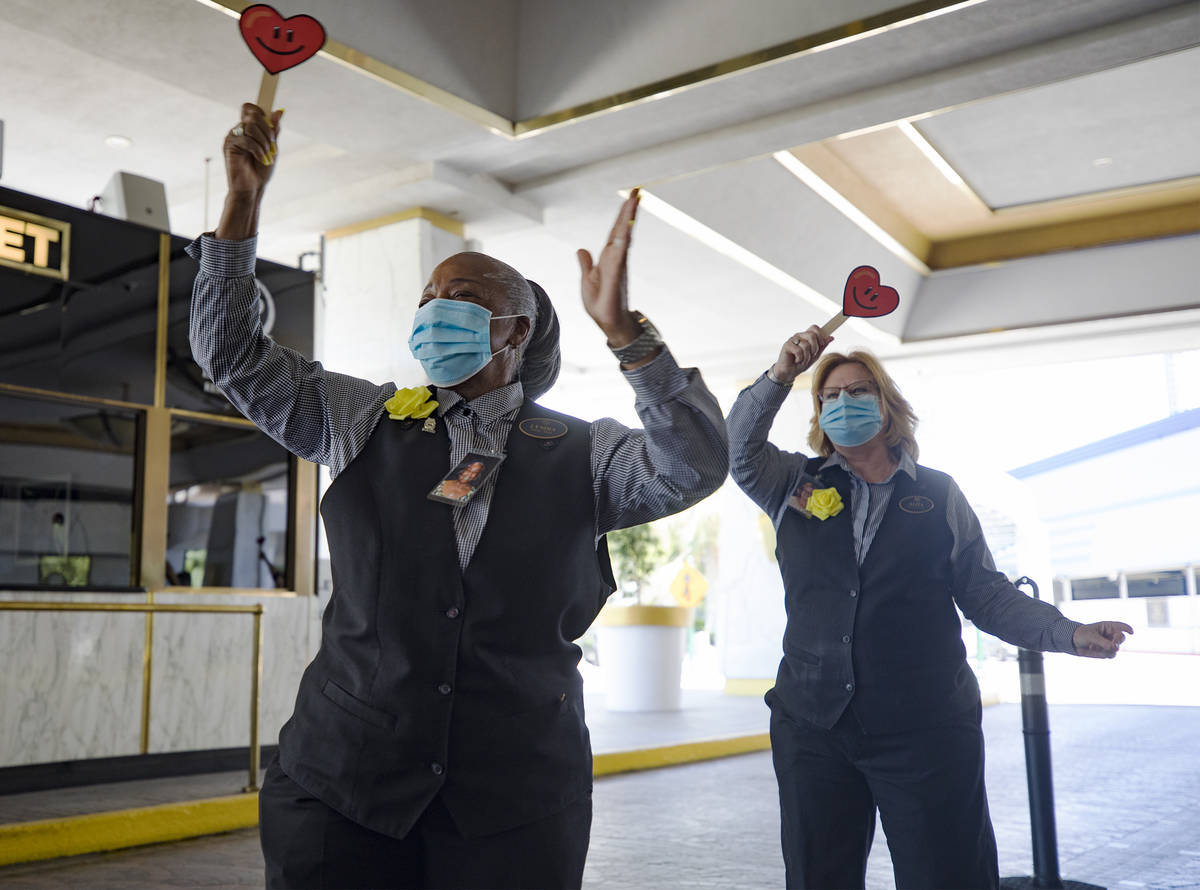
507 345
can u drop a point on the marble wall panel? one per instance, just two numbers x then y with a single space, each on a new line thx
72 681
200 696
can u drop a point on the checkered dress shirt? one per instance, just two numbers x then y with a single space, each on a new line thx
679 458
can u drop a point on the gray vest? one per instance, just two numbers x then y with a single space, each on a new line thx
434 681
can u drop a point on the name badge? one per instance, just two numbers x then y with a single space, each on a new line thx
916 503
543 428
460 485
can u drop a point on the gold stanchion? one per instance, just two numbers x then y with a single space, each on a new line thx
255 685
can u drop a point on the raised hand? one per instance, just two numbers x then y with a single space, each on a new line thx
250 151
798 354
604 285
1101 639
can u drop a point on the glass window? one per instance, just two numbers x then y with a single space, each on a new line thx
1157 584
94 333
286 309
67 480
228 510
1094 588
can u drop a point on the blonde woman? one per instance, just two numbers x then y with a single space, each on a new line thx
874 706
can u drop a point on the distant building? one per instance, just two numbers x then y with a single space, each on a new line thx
1123 519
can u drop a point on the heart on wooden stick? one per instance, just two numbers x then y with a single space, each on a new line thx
278 44
863 297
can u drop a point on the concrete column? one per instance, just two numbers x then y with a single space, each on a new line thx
373 274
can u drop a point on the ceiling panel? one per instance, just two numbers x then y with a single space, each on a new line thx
760 204
1139 278
1132 125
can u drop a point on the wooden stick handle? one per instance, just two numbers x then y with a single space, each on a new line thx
266 92
834 323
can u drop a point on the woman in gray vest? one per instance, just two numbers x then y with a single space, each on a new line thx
438 738
874 705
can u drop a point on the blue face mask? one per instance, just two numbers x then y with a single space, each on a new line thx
851 420
452 339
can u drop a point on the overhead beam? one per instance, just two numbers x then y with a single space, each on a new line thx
1137 225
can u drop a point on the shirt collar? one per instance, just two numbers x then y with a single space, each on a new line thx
907 464
488 407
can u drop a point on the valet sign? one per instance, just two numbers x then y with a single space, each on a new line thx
34 243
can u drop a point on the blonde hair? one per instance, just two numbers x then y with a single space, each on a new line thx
899 420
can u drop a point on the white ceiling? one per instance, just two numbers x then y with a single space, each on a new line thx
1126 126
1024 96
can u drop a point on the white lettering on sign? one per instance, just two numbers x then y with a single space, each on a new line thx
25 243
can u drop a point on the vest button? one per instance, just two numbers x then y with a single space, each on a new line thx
444 688
853 593
846 639
849 688
437 768
452 612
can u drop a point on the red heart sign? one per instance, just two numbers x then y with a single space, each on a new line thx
865 297
279 43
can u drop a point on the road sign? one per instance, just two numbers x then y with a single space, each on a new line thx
689 586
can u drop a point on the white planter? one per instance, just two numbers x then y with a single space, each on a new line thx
641 652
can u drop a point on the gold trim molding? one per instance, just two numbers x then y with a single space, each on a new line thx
828 38
789 49
440 220
52 395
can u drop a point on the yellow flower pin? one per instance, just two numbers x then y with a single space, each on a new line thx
414 402
825 502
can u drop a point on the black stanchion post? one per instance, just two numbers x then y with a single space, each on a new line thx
1035 722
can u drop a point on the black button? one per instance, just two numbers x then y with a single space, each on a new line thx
437 768
846 639
854 593
849 688
444 688
466 411
452 612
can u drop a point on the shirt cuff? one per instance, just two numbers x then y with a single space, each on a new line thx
1062 635
224 259
768 392
658 380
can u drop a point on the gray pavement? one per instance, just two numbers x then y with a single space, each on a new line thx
1126 782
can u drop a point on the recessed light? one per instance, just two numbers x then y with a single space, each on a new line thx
116 141
1101 162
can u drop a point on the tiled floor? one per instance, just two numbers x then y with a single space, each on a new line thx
1126 783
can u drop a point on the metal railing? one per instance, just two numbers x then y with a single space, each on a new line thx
150 609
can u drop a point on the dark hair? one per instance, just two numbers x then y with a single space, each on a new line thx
541 356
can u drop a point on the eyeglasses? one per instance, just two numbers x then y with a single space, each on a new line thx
857 390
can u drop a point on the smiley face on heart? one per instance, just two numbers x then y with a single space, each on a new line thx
279 43
865 297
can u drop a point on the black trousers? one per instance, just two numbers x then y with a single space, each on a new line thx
308 845
927 784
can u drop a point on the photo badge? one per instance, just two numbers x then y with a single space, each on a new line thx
459 485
